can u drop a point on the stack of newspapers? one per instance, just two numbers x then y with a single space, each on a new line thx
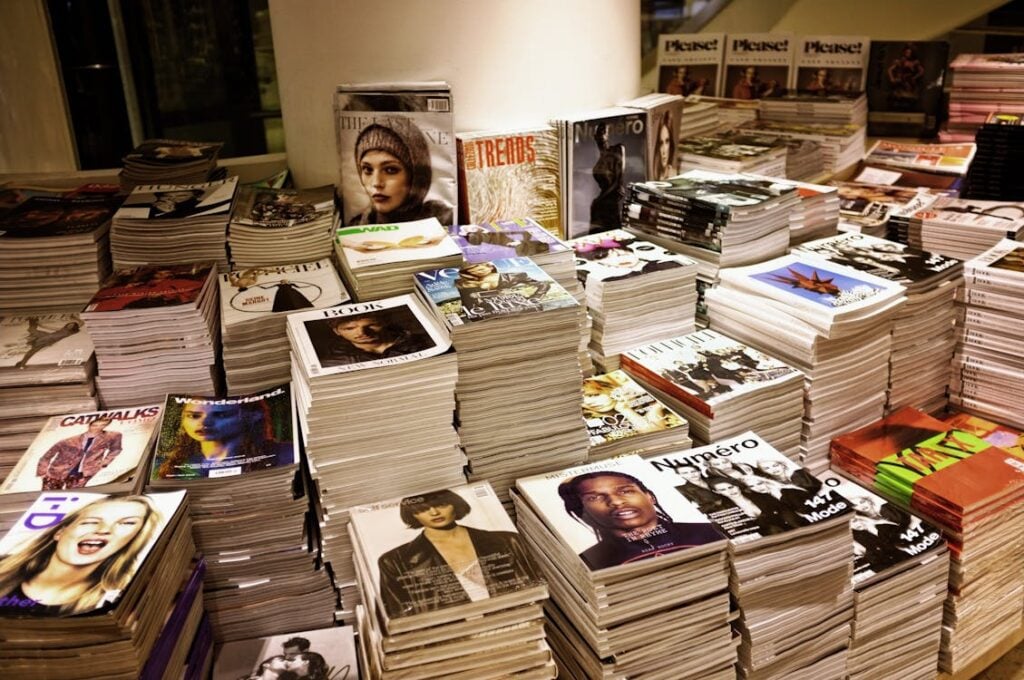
723 387
987 367
449 589
638 575
515 332
831 322
271 226
974 492
791 554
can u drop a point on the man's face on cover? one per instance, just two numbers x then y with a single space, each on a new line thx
618 504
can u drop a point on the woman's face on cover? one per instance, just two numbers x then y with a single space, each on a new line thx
385 180
664 145
690 474
773 468
102 530
299 665
479 270
212 422
758 485
617 503
596 398
726 489
436 517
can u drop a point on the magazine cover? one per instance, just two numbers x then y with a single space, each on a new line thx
717 191
279 208
757 65
995 216
510 172
615 407
85 450
417 550
146 287
904 87
366 335
616 512
376 244
994 433
705 368
325 654
949 159
47 216
488 289
608 151
730 146
46 340
206 437
618 254
831 64
519 237
689 63
179 201
748 489
252 293
106 538
173 151
396 153
880 257
871 205
1004 262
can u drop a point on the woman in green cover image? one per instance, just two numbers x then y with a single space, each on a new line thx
394 165
448 563
608 172
80 563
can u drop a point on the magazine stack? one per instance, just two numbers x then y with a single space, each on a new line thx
722 387
805 161
623 418
378 260
831 322
375 386
980 85
163 224
155 331
637 292
102 451
818 213
717 219
271 226
881 210
254 308
791 553
1000 149
973 492
54 252
169 161
47 367
900 578
930 161
827 109
964 229
922 329
700 118
239 462
516 336
638 575
841 145
328 653
136 552
987 367
731 151
997 434
186 641
524 237
449 589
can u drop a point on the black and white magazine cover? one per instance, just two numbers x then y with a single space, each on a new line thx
880 257
689 63
270 208
179 201
252 293
618 254
748 489
616 512
47 340
325 654
396 152
831 64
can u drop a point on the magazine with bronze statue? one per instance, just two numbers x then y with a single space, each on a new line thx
269 226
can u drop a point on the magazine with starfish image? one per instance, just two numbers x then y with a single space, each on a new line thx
375 244
249 294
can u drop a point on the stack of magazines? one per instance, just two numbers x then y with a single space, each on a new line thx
717 219
880 209
791 554
638 575
987 367
831 109
980 85
185 646
817 214
449 587
46 367
54 251
254 306
805 160
1000 149
515 331
973 492
922 330
637 292
304 653
723 387
831 322
130 557
700 118
161 319
841 145
169 161
378 260
239 462
271 226
730 151
622 418
375 385
900 577
173 224
961 228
